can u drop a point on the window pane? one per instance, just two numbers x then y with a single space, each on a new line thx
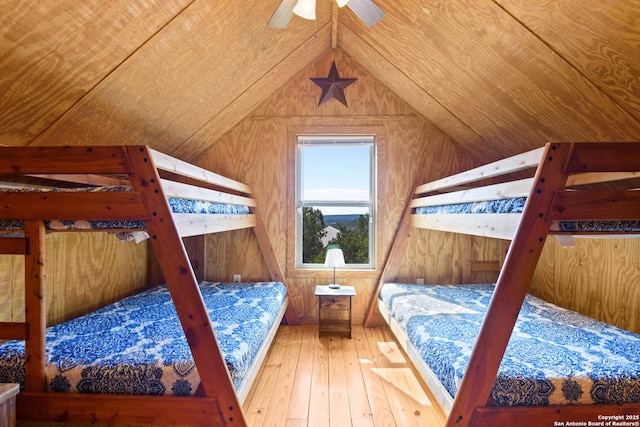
336 172
349 229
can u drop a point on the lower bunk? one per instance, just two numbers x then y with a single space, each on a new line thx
559 365
133 355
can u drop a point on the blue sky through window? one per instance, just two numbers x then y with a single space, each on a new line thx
337 173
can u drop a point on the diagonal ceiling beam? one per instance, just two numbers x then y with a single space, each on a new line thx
255 94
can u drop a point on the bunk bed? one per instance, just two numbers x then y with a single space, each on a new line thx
201 375
484 349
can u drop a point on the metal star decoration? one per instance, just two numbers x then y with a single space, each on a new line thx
332 86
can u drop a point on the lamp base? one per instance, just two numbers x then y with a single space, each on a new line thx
334 286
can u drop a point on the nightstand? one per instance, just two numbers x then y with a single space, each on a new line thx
334 309
8 394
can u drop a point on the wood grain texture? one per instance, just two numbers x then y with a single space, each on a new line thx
498 76
184 77
368 372
55 52
77 280
606 51
501 81
597 277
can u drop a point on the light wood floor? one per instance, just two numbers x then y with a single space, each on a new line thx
332 381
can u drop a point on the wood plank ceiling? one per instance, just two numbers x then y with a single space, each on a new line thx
499 77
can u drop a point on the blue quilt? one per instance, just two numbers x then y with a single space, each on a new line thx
516 205
137 346
175 204
554 356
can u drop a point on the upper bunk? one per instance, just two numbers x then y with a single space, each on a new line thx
116 188
490 200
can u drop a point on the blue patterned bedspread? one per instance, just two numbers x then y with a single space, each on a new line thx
555 356
137 346
516 205
175 204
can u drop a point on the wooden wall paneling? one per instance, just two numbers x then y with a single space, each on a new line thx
249 101
6 294
485 250
17 276
598 277
8 291
441 158
84 271
242 154
366 98
543 280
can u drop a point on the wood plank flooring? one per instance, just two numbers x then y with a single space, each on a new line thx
333 381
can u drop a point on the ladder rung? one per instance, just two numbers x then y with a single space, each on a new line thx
13 246
13 331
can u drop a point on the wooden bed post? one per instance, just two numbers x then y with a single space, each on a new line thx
183 287
35 304
512 286
392 263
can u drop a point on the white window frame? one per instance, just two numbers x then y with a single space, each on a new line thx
303 140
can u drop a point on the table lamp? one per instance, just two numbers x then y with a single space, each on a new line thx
335 258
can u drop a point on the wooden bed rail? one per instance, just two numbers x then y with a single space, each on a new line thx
182 168
530 159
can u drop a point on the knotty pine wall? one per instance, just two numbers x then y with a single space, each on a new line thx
597 277
261 152
84 271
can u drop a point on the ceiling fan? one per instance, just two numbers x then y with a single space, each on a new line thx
366 10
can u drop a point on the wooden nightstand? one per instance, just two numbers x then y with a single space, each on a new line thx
334 309
8 394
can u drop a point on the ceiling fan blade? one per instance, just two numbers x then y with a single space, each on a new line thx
366 10
282 15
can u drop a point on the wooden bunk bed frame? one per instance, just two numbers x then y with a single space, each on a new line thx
154 177
572 182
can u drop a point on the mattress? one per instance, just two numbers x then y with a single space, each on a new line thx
554 356
176 205
517 204
137 346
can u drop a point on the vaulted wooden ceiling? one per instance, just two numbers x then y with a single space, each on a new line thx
499 77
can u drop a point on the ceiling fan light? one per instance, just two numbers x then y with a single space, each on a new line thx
342 3
305 9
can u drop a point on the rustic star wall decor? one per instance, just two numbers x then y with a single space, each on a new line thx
332 86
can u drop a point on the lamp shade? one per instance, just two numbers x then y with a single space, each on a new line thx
305 9
335 258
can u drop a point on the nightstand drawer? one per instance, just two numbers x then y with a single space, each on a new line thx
335 303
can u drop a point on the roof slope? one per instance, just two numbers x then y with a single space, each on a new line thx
504 75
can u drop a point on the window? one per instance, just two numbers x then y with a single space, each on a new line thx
335 195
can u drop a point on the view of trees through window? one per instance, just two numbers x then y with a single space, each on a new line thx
352 236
